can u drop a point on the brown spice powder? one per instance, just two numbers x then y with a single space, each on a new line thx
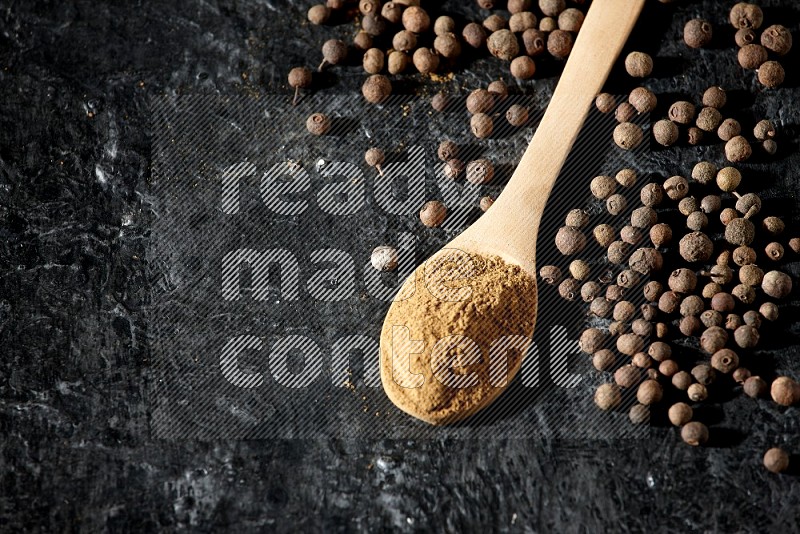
456 335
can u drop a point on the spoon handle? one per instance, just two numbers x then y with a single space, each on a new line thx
606 27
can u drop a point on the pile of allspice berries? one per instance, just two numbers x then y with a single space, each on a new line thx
683 284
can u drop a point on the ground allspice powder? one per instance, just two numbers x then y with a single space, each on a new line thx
430 373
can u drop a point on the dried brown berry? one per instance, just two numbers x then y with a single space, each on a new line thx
755 387
697 392
362 41
559 43
474 35
688 205
625 112
696 247
692 305
569 289
676 187
744 37
440 100
334 52
397 63
738 149
603 360
318 124
443 25
776 460
711 289
646 260
481 125
660 235
601 307
432 213
616 204
680 413
704 172
665 132
480 101
752 56
744 256
785 391
794 244
774 251
552 8
604 234
607 396
425 60
523 68
576 217
643 100
740 375
376 88
373 61
503 45
729 129
659 351
626 177
746 294
649 392
495 23
669 302
778 39
590 290
771 74
629 344
728 179
715 97
752 318
550 274
739 231
709 119
725 361
776 284
682 112
499 89
570 240
571 20
602 186
627 376
751 275
746 336
713 339
723 302
697 33
644 217
518 6
524 20
393 12
480 171
653 290
618 252
745 15
628 135
764 130
534 41
639 64
415 19
453 168
447 45
319 14
694 433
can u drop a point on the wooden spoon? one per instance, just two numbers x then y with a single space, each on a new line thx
509 229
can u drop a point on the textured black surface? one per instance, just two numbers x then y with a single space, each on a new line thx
76 451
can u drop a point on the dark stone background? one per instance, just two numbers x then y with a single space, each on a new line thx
76 451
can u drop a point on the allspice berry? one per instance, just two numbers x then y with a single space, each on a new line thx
774 251
710 203
725 361
481 125
447 45
393 12
518 6
785 391
494 23
740 375
550 274
334 52
602 187
639 64
751 275
646 260
764 130
498 89
740 231
604 234
433 213
376 88
552 8
607 396
415 19
709 119
752 56
696 247
474 35
746 15
644 217
603 360
744 36
591 340
713 339
728 179
695 135
440 100
425 60
617 252
697 392
746 336
601 307
682 380
676 187
524 20
665 132
299 78
771 74
697 33
715 97
480 171
362 41
755 387
523 68
682 280
384 258
704 172
625 112
692 305
480 101
517 115
659 351
447 150
443 25
744 256
680 413
776 284
576 217
649 392
643 100
627 376
738 149
694 433
729 129
570 240
776 460
616 204
605 102
571 20
319 14
374 157
534 41
397 63
639 414
723 302
318 124
452 168
777 39
373 61
629 344
503 45
704 374
590 290
559 43
769 311
682 112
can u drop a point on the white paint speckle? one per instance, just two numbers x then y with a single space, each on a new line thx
100 174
